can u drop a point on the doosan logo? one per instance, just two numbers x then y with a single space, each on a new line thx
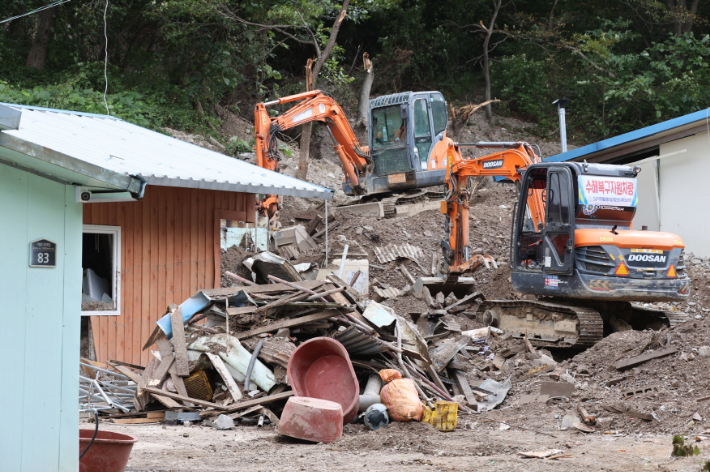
493 164
646 258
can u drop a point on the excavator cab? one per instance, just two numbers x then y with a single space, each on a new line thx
406 133
573 238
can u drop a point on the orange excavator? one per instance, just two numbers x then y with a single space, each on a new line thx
572 246
406 151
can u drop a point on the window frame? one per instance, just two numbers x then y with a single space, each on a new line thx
115 231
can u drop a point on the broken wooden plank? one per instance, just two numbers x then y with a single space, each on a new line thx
241 310
221 369
162 371
407 275
634 361
322 232
268 288
313 225
180 347
175 396
137 420
251 403
179 384
465 388
466 299
287 324
435 377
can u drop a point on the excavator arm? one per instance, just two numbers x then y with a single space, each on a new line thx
315 105
510 163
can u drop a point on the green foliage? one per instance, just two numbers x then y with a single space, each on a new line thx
681 450
149 110
236 145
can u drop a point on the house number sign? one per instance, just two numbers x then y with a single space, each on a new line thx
43 253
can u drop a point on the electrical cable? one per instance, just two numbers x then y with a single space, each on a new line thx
45 7
96 432
106 59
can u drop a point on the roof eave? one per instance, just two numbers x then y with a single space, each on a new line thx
111 179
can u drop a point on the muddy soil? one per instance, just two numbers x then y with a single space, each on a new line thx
673 389
478 445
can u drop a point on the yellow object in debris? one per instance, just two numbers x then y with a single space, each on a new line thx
198 386
444 416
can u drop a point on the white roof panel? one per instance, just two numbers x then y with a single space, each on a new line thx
127 149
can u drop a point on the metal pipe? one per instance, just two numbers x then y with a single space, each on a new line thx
342 261
563 129
326 234
247 382
104 371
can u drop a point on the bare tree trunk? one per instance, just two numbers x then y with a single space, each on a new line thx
364 104
306 130
304 152
688 24
486 65
37 58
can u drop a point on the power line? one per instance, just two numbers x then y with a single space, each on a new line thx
106 60
51 5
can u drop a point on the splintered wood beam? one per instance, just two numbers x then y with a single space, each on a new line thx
179 345
221 369
250 403
287 324
156 391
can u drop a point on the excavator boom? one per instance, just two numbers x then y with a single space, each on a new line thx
315 105
510 162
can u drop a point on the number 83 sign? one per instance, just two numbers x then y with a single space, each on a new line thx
43 253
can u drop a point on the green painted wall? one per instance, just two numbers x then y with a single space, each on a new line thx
40 318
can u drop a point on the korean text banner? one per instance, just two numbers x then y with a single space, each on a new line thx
600 190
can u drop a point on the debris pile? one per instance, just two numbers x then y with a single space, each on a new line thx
228 354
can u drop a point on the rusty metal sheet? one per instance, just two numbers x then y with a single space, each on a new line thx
357 343
392 252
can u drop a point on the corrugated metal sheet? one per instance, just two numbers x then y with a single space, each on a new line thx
392 252
357 343
118 146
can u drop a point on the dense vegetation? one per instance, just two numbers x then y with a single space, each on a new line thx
623 63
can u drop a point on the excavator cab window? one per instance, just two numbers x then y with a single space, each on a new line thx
438 112
389 139
530 230
422 130
389 128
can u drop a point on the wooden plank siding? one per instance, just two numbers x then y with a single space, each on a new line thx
169 250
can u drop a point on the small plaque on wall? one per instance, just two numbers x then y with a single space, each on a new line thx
43 253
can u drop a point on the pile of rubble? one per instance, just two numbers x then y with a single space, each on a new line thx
224 353
369 292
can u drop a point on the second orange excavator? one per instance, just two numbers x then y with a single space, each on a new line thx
572 246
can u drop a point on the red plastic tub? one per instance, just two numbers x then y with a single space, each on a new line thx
108 453
321 368
312 419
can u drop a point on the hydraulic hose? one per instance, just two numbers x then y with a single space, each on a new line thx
96 431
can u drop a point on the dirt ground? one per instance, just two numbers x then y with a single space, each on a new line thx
479 445
671 389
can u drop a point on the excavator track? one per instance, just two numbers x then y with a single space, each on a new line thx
546 324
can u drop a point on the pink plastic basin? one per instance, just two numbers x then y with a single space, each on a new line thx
108 453
312 419
321 368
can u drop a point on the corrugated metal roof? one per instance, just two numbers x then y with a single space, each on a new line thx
637 136
110 143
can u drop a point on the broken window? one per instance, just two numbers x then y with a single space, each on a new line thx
100 262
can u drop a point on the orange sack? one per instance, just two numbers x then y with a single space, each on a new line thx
400 397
